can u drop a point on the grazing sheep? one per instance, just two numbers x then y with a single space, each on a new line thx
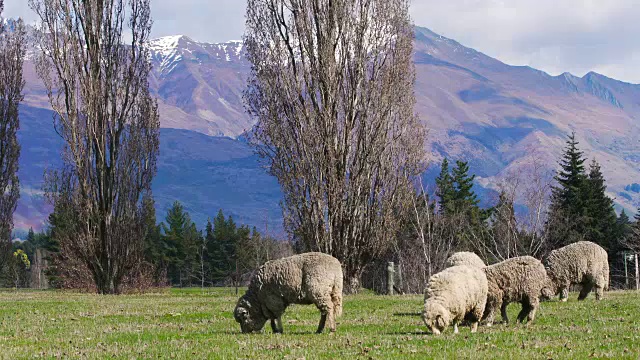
452 295
521 279
582 263
465 258
311 278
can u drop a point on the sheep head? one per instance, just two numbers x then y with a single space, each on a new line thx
436 317
549 290
249 316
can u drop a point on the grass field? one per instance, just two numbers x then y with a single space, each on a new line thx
199 324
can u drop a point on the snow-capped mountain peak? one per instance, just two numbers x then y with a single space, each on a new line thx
165 45
169 51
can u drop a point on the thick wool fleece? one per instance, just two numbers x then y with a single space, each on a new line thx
520 279
582 263
311 278
465 258
452 295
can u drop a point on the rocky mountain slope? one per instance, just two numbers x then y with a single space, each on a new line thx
498 117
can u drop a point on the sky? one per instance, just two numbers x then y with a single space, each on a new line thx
575 36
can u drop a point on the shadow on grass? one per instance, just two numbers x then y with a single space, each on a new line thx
411 314
269 333
414 333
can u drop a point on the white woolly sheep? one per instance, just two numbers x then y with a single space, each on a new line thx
453 295
520 279
465 258
311 278
582 263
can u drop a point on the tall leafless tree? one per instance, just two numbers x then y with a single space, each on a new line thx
331 87
95 65
12 53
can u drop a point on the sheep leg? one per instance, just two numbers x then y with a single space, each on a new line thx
523 313
533 308
503 312
274 327
599 292
455 328
325 305
490 316
600 285
564 294
491 312
323 321
586 289
474 326
331 318
476 316
279 325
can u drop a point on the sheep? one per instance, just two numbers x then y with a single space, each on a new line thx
311 278
465 258
520 279
583 263
452 295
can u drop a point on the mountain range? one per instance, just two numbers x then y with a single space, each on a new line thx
496 116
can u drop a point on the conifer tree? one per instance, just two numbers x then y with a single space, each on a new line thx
599 213
464 197
221 244
634 237
624 225
566 219
153 246
180 242
444 188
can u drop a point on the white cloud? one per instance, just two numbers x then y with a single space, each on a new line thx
552 35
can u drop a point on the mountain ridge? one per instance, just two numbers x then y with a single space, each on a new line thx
497 116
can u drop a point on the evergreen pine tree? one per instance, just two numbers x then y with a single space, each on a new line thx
180 242
221 244
464 197
624 225
599 213
566 223
444 188
634 237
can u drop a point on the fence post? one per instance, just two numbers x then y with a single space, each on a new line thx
626 272
637 275
390 279
400 286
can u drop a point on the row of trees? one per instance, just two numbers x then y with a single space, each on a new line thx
223 254
175 253
554 211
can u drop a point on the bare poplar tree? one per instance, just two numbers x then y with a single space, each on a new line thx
12 52
331 87
95 66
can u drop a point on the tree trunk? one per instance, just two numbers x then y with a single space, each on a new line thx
352 281
106 284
